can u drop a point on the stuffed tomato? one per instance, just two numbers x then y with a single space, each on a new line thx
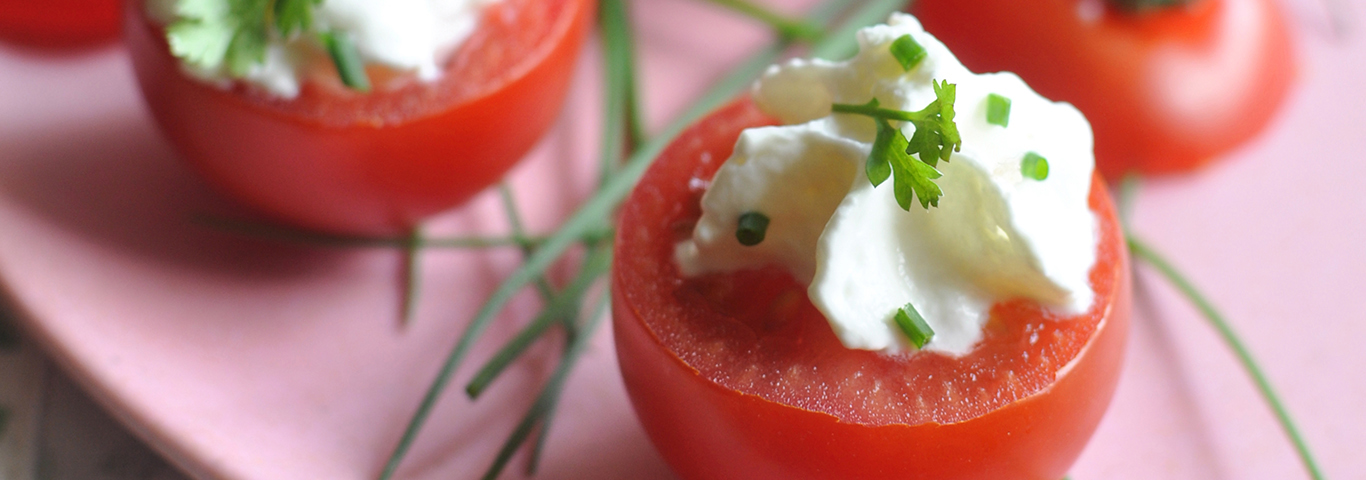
378 162
1167 88
752 369
1021 405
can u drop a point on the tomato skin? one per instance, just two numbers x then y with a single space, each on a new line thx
1165 91
59 23
708 431
377 163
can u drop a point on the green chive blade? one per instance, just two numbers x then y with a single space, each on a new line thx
998 110
545 403
1142 252
1034 166
563 306
347 60
597 313
595 211
913 326
908 52
751 229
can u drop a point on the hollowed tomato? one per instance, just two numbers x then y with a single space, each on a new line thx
377 163
1166 90
738 376
59 23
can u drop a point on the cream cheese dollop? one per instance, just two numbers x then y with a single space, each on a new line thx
406 35
996 235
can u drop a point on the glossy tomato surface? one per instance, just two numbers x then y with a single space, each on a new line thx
378 163
59 23
1165 91
738 376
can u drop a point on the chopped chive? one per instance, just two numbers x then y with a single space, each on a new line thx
347 59
279 233
1034 166
751 229
914 326
998 110
908 52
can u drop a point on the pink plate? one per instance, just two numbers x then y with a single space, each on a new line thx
241 358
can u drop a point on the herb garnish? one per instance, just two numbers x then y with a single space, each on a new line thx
935 138
1034 166
908 52
998 110
751 228
233 35
914 326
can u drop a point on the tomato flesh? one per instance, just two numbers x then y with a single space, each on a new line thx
1165 91
737 375
59 23
379 163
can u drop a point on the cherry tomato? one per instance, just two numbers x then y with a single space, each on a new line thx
59 23
1166 90
737 375
377 163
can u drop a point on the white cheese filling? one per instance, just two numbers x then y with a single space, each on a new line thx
406 35
996 235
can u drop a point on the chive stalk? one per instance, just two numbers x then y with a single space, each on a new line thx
596 210
786 28
587 220
320 239
1147 254
412 275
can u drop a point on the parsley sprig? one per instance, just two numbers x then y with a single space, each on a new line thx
234 35
893 155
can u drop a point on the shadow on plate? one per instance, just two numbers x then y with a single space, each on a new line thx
114 181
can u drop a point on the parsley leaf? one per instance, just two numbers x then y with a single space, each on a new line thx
233 35
936 137
936 134
879 166
203 34
294 15
911 178
216 34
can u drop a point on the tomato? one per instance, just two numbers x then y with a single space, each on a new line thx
378 163
737 375
59 23
1165 91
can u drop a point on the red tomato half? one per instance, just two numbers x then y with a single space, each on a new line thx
378 163
59 23
738 376
1165 91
